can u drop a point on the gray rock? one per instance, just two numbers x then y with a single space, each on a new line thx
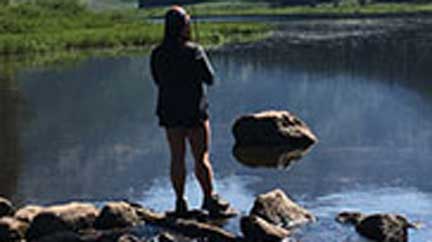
12 230
6 207
71 217
276 208
379 227
273 128
117 215
255 228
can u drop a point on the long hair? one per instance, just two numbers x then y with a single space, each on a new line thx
177 26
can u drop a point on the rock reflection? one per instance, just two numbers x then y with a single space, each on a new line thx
278 157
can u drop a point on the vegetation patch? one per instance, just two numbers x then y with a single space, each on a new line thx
43 26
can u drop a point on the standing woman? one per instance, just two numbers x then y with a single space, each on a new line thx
180 68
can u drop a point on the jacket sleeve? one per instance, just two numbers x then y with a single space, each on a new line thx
153 67
205 69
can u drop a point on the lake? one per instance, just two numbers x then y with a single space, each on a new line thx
87 131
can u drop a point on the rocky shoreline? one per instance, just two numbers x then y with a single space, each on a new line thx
271 219
274 217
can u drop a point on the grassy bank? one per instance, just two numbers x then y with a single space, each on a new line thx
346 7
67 25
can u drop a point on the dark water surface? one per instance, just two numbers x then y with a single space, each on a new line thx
88 131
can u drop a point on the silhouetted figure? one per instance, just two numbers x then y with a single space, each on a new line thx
180 69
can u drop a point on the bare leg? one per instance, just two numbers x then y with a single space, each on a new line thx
199 139
176 139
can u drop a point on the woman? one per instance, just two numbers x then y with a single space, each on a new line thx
180 68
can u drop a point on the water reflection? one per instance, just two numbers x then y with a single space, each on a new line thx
11 110
271 157
93 136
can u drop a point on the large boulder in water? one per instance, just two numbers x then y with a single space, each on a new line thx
378 227
276 208
273 128
6 207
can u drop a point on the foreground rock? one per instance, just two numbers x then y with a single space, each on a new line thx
71 217
6 207
187 227
379 227
12 230
117 215
28 213
255 228
128 238
276 208
273 128
272 216
65 236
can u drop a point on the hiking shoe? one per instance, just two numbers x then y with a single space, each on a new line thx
215 204
181 206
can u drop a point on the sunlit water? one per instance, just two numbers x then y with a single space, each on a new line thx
89 132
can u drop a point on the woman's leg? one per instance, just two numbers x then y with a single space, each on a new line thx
176 139
199 139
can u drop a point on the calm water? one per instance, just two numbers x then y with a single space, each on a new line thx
88 131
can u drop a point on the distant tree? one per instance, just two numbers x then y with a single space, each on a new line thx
5 2
146 3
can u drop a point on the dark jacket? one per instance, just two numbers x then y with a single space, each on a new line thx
180 72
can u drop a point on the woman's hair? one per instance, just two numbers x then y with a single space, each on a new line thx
177 26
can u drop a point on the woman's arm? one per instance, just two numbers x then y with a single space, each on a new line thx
153 67
205 69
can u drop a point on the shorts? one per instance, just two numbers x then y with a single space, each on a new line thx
183 122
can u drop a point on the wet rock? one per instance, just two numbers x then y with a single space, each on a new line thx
76 215
273 128
104 235
196 229
62 237
70 217
12 230
117 215
45 224
255 228
276 208
379 227
128 238
28 213
6 207
270 157
166 237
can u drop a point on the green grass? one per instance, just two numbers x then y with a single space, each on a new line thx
66 25
346 7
